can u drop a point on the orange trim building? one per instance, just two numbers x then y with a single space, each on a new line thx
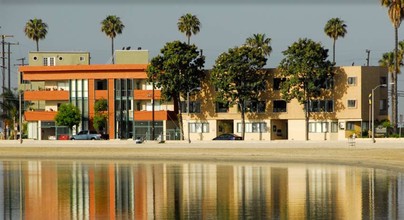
124 86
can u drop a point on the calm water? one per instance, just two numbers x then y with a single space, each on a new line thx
96 190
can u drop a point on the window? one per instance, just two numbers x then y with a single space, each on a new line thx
352 81
49 61
351 103
101 84
254 127
199 127
383 80
279 106
334 127
222 107
255 106
318 127
277 83
383 107
350 126
82 58
194 107
321 105
327 83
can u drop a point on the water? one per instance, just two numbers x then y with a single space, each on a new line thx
108 190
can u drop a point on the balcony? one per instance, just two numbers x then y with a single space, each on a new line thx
158 115
101 94
46 95
146 94
40 115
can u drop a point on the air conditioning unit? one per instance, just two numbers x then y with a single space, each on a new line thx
342 125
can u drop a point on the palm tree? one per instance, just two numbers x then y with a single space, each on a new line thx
189 24
111 26
35 29
334 29
260 41
396 15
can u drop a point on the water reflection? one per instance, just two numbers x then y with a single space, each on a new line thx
83 190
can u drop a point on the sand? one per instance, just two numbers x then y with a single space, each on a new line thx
385 153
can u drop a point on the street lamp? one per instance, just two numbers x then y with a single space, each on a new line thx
189 91
373 110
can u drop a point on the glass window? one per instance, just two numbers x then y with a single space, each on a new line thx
351 103
352 81
334 127
277 83
318 127
254 127
222 107
199 127
279 106
194 107
350 126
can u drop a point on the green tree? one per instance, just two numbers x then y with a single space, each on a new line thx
396 14
189 24
260 41
334 29
68 115
100 117
307 70
10 106
35 29
238 77
177 70
111 26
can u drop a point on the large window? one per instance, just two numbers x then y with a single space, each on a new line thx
254 127
350 126
222 107
255 106
101 84
194 107
334 127
318 127
321 105
279 106
49 61
199 127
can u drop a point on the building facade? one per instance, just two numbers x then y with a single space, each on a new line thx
343 109
49 81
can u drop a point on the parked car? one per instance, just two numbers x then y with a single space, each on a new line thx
86 135
228 137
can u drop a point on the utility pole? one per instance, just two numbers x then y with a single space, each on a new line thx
367 59
3 57
9 63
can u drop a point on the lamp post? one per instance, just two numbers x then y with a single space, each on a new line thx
189 91
373 110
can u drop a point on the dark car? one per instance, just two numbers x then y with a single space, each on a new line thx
228 137
86 135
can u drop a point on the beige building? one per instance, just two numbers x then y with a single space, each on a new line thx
343 109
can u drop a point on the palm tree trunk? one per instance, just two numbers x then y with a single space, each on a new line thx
394 87
180 118
242 118
189 40
112 50
333 51
37 45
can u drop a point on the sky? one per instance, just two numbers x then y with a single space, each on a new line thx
149 24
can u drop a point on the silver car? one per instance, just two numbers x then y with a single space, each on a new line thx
86 135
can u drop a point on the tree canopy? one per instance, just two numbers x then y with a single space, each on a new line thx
68 115
238 77
100 117
261 42
35 29
177 70
189 24
307 71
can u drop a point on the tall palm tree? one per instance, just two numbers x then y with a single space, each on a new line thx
334 29
189 24
260 41
111 26
396 15
35 29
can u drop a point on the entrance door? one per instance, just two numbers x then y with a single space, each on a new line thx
224 126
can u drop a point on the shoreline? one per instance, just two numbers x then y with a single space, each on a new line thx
384 154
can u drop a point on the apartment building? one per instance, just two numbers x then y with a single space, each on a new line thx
54 78
342 110
124 85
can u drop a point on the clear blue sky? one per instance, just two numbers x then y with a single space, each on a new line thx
75 26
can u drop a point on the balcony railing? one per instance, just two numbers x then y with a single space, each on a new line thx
146 94
40 115
46 95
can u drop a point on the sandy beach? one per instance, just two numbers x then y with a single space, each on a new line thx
385 153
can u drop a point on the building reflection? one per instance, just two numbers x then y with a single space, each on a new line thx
77 190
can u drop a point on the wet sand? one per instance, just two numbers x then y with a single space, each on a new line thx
385 153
